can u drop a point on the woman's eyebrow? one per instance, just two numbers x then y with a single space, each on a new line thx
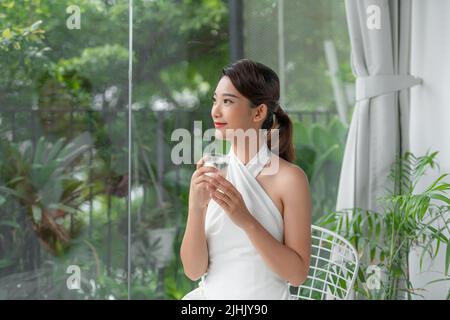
228 95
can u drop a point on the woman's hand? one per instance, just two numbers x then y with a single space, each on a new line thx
198 193
230 200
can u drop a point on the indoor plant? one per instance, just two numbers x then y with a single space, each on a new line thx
408 221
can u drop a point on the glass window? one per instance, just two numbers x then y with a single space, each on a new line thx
78 77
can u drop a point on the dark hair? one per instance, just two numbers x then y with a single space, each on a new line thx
261 85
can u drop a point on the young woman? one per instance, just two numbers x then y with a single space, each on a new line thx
248 235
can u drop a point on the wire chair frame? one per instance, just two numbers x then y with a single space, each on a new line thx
333 268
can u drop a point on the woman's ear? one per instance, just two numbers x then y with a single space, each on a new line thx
260 112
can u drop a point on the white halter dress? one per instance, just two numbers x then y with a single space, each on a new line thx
236 270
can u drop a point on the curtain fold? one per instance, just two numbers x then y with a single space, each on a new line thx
378 130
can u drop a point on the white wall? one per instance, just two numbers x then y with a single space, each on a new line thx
430 111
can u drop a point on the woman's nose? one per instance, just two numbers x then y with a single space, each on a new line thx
215 111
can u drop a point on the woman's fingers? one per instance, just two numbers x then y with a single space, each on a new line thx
207 182
202 170
221 195
220 182
203 178
219 200
201 162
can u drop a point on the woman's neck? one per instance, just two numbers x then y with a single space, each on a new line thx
246 151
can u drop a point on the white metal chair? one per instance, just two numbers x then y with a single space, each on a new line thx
333 268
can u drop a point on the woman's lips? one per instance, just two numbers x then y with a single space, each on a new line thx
219 124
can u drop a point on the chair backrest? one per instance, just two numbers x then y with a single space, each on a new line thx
333 268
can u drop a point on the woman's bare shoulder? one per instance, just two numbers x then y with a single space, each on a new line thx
289 176
291 184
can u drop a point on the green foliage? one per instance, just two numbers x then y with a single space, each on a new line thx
319 152
43 182
100 65
345 73
410 220
15 37
306 25
178 47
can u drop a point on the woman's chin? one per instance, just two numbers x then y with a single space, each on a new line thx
220 134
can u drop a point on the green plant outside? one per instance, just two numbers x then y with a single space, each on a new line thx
69 76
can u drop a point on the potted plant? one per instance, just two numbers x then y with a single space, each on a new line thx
408 222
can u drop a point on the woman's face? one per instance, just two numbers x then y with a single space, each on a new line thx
231 111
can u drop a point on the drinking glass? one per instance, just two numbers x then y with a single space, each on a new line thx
217 160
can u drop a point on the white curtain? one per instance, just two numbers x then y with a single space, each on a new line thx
378 130
430 113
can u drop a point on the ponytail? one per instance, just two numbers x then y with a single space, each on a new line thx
284 124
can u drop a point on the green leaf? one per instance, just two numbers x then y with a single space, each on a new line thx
440 197
9 5
37 214
425 249
39 151
28 152
433 185
2 200
63 207
41 174
437 233
56 149
15 180
438 280
70 153
438 245
36 25
70 187
10 223
7 34
13 192
447 258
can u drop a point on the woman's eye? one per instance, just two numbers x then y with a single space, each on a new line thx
225 101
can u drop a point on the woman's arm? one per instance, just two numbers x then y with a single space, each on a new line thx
291 259
194 248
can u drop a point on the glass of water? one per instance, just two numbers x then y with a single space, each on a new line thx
217 160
